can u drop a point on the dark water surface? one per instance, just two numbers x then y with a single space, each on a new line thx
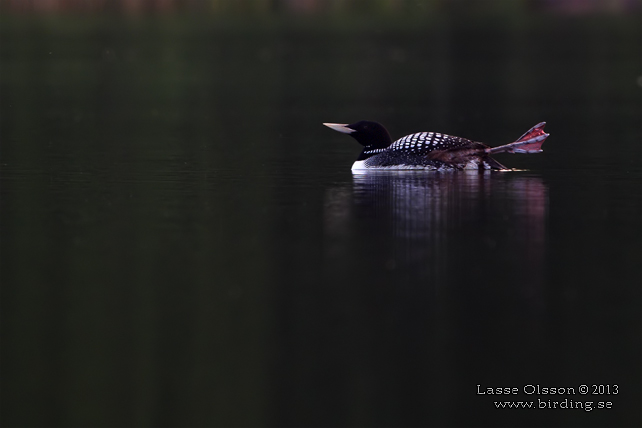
183 243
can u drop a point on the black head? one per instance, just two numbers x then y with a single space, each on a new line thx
372 135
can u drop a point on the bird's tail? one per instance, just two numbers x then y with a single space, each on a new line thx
530 142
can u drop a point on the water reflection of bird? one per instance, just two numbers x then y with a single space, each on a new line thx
434 203
431 150
428 219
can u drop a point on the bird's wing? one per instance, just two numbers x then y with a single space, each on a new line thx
426 142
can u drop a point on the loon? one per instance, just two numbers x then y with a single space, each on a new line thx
431 150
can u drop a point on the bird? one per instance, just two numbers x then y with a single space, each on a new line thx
431 150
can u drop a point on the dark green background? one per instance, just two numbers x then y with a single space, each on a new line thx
183 244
